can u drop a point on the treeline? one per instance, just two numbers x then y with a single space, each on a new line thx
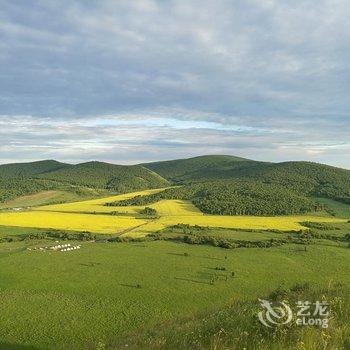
54 234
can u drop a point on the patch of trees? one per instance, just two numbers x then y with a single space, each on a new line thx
232 244
345 200
148 212
319 226
322 235
55 234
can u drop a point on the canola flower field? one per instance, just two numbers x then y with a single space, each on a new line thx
93 216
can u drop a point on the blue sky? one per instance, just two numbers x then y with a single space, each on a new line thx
134 81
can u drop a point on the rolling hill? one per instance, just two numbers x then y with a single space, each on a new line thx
302 177
28 178
233 186
216 184
199 168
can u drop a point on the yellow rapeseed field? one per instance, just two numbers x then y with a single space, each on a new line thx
75 216
97 205
67 221
173 207
283 223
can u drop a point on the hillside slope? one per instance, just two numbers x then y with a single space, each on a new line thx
119 178
301 177
231 186
19 179
30 169
202 167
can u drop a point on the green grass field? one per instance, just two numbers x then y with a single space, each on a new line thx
338 208
107 293
78 299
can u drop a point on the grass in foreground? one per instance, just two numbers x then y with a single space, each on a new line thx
237 327
105 291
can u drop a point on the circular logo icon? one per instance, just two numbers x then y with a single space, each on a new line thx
274 314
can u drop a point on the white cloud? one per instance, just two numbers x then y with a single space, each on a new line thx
275 71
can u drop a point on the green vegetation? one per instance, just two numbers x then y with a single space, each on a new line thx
36 234
203 167
319 226
30 169
51 197
302 177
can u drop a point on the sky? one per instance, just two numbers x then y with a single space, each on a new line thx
136 81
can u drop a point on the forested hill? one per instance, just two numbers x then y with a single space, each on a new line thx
305 178
27 178
215 184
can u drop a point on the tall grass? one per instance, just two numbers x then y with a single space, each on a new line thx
237 327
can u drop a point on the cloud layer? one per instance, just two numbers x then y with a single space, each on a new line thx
129 81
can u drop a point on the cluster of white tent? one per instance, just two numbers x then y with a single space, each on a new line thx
70 248
58 248
65 247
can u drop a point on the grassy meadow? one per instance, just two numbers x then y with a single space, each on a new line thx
76 300
134 294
